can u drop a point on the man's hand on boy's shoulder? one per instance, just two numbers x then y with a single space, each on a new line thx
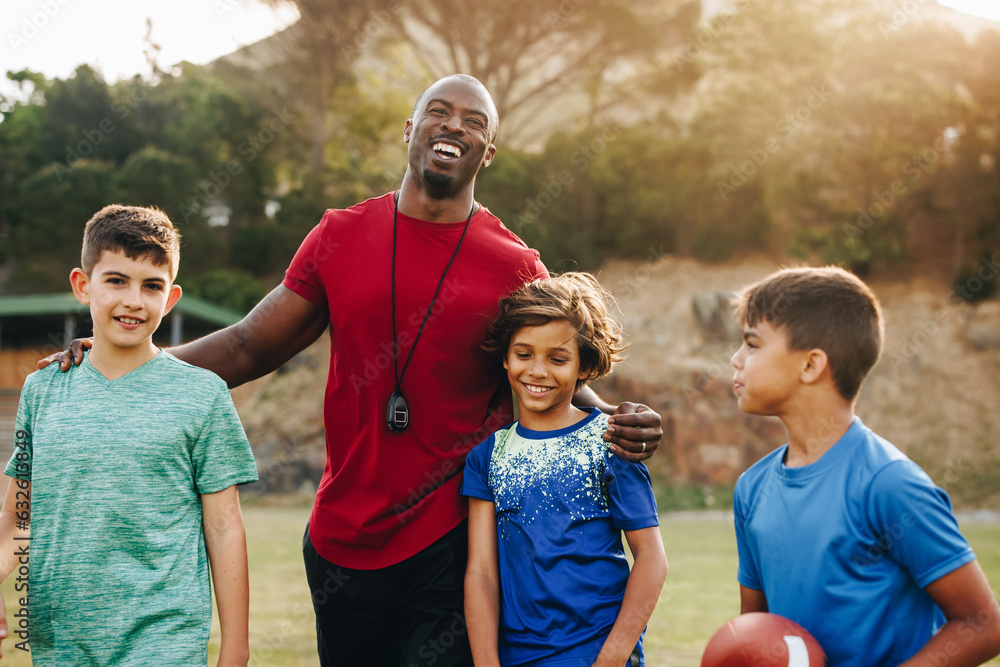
634 431
71 356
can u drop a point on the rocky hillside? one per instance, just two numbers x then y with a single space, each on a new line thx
934 393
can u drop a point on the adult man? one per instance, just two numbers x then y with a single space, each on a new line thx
408 284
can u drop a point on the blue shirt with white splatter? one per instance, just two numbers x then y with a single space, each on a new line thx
562 500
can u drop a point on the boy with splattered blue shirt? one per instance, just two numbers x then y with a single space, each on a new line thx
548 581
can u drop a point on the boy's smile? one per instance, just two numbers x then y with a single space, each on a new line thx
128 299
543 366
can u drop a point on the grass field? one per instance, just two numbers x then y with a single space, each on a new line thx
700 594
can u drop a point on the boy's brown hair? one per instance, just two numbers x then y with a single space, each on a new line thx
136 231
574 297
823 308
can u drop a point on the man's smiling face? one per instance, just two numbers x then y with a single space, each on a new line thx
450 135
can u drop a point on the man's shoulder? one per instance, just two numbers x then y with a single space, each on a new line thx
369 206
344 224
500 231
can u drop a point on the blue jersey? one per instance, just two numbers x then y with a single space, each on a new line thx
562 500
845 547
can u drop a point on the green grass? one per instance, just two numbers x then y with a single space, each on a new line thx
700 595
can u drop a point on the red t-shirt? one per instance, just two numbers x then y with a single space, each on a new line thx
385 496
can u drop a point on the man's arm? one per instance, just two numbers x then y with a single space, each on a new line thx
752 600
14 519
279 327
633 429
482 584
226 543
971 635
641 595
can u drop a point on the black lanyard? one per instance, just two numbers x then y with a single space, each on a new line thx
397 414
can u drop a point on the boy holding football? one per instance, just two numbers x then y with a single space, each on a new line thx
838 530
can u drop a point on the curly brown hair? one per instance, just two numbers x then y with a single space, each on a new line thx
576 298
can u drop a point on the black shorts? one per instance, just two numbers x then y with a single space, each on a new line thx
410 614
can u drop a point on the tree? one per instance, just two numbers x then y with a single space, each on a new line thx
20 123
837 120
967 188
540 58
47 225
319 61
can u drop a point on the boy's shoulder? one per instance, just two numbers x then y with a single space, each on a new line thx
861 454
487 446
761 467
172 366
37 383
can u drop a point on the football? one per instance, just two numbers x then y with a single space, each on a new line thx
763 640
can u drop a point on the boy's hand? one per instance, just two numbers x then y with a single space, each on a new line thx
634 431
71 356
3 621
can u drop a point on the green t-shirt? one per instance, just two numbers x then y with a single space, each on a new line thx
118 571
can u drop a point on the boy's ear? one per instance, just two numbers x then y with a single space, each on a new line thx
816 364
81 285
173 296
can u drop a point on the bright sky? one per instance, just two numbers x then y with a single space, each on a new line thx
986 8
54 36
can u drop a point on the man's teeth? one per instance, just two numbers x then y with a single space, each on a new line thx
448 148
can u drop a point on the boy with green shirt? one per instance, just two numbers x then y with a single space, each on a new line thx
127 475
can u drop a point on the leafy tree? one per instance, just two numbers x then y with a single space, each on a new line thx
154 177
540 56
47 226
319 60
230 288
830 115
20 123
967 187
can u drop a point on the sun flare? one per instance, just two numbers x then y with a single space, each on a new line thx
989 9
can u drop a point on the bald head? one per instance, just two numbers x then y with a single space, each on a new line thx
494 117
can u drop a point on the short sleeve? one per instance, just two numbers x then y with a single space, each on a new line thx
476 479
302 275
913 521
630 495
746 572
222 456
19 465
